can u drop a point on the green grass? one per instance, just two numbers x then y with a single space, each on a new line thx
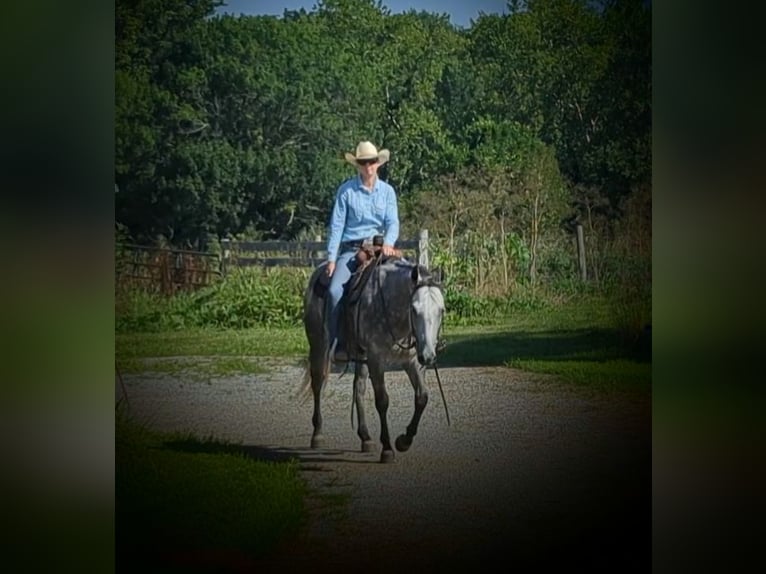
199 368
608 375
181 497
221 366
255 342
494 347
579 341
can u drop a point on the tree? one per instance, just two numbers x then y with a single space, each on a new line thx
578 74
244 120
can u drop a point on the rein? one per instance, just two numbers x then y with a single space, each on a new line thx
444 401
413 341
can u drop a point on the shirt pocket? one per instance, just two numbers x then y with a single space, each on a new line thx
379 206
355 210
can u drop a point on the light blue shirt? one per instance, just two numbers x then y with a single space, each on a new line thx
360 214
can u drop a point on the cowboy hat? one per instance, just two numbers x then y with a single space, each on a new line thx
365 150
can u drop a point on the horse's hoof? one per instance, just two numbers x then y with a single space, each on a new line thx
318 441
368 446
387 456
403 443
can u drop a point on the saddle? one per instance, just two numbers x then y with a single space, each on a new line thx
367 257
367 254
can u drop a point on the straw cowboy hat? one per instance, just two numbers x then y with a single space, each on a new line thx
365 150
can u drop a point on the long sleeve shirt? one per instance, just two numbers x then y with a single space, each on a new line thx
359 213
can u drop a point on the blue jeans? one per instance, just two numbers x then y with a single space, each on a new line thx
344 266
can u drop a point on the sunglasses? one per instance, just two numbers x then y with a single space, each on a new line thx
367 161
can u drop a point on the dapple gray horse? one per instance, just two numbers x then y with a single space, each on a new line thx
400 310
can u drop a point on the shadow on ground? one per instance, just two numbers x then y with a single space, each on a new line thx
273 453
495 349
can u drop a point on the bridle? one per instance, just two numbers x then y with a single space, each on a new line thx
412 337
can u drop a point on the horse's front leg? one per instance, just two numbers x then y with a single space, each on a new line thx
360 383
319 373
417 378
381 404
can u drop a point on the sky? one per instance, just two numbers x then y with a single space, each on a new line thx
461 11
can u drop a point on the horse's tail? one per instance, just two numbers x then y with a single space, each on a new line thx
304 390
313 320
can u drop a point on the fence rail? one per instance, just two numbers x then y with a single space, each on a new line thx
164 269
300 253
169 270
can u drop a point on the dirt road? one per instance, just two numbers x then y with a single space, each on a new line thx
530 472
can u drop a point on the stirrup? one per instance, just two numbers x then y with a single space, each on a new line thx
338 355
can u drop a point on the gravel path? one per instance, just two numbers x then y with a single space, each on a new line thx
529 472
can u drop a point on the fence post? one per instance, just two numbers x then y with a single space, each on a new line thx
319 254
225 254
423 248
581 253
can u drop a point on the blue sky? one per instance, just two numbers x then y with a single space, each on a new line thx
461 11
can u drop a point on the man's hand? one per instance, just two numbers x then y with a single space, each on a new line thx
330 268
388 250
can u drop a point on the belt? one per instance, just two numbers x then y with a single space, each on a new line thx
359 243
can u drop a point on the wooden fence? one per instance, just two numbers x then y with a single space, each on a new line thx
164 269
302 253
169 270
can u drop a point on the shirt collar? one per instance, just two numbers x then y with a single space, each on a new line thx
361 184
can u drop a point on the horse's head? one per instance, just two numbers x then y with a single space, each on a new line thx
427 314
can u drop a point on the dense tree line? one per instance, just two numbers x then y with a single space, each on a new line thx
237 125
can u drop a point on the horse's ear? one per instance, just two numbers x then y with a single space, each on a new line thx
437 274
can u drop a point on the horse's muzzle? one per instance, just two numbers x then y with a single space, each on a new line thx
428 357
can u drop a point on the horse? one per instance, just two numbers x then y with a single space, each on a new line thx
400 311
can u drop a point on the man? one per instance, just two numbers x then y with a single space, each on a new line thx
364 206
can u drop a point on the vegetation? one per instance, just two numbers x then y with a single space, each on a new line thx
196 504
247 298
581 340
504 135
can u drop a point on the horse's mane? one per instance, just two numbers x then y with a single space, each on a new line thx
405 266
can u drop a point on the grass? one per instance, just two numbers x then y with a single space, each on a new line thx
256 342
596 375
197 368
578 341
477 347
187 504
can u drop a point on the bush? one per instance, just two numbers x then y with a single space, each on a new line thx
257 297
630 298
248 297
466 309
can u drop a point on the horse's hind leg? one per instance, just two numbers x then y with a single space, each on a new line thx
360 382
319 374
417 378
381 404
